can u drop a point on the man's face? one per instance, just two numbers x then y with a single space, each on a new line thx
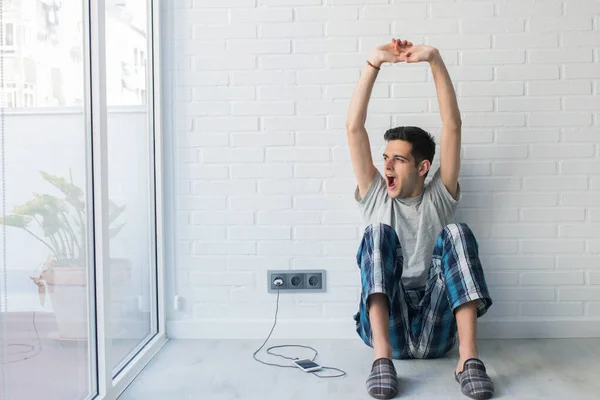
403 178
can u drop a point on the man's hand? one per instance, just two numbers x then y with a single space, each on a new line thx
403 51
392 52
421 53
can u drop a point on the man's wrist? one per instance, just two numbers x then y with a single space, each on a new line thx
375 60
435 57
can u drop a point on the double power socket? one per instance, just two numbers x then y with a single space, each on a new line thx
296 280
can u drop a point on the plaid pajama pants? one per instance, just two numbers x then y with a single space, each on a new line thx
422 323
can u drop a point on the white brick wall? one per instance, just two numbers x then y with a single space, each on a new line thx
263 175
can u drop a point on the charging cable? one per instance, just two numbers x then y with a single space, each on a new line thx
278 282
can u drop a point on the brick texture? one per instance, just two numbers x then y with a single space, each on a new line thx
264 170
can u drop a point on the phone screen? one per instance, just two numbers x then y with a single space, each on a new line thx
306 364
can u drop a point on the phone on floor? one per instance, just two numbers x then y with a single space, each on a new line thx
307 365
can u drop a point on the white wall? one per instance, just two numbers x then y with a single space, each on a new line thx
260 91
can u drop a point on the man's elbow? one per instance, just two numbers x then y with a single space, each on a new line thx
454 124
353 126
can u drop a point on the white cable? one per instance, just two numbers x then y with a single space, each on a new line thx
30 351
343 373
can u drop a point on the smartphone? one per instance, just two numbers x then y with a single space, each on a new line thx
307 365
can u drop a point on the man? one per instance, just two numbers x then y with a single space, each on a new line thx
422 281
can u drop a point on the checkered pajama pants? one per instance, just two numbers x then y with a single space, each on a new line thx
422 323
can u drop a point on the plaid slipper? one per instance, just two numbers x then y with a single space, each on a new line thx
383 381
474 381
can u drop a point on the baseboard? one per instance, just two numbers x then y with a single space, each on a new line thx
541 329
259 329
344 329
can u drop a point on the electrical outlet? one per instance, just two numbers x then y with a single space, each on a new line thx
177 302
314 280
140 303
297 280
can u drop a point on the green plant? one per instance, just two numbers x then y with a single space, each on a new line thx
62 220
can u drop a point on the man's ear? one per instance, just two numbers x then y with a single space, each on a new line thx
424 167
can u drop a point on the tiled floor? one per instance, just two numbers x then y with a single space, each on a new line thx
225 370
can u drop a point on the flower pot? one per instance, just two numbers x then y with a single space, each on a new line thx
68 288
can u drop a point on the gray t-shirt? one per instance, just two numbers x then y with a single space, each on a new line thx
417 221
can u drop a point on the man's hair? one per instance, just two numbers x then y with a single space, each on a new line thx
423 144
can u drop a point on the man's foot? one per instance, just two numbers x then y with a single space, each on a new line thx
382 351
383 381
474 380
465 353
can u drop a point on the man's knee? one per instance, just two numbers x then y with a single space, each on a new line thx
381 238
457 236
384 230
458 229
459 232
380 250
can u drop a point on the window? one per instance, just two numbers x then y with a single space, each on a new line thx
10 95
74 137
9 34
28 95
8 37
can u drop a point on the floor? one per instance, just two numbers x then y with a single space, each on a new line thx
37 365
225 370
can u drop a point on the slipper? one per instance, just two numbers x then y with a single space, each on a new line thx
474 381
383 381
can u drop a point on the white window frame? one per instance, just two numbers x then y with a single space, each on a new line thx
109 387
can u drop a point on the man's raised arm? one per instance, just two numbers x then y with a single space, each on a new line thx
358 138
451 124
451 121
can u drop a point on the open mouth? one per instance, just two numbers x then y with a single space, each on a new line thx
391 182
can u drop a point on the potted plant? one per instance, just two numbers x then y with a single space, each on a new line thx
61 228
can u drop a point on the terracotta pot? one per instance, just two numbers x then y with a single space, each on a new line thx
68 288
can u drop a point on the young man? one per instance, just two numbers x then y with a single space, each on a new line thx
422 281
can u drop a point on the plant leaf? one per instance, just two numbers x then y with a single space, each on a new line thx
114 211
46 206
15 220
73 193
115 231
40 205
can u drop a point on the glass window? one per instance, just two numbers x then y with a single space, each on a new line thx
47 351
130 181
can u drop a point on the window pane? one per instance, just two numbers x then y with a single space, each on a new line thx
45 322
130 146
10 34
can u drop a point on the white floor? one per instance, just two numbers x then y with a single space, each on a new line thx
224 369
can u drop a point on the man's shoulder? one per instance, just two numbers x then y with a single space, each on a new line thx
435 179
436 188
375 201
